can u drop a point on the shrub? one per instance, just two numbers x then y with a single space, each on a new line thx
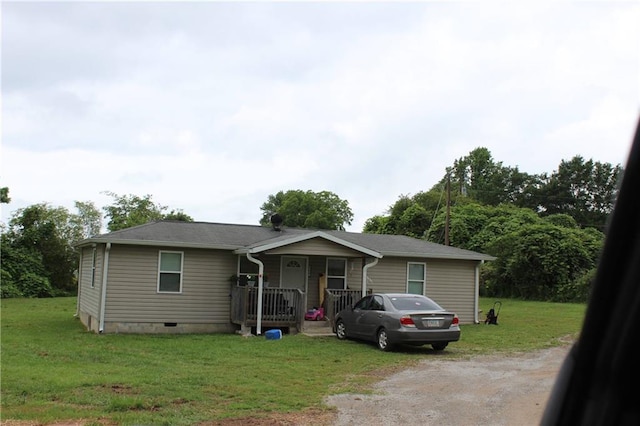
33 285
8 288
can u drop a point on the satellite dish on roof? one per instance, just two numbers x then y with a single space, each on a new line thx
276 221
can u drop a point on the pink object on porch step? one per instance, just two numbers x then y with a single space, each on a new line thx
314 314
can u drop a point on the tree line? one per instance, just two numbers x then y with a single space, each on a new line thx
545 230
38 256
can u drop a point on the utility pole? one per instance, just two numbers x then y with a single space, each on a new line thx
448 215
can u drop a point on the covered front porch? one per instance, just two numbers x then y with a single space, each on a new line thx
282 308
291 276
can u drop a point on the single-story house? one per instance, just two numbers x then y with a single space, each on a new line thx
198 277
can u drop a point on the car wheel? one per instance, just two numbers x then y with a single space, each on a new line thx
341 331
383 341
439 346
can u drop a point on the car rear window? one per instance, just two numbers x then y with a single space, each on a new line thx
414 303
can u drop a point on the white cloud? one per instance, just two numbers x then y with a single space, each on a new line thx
212 106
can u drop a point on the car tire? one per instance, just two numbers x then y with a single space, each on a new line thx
341 330
383 340
439 346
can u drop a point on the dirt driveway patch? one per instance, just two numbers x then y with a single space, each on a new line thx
489 389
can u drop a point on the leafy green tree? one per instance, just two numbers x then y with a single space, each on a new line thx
585 190
540 258
178 215
131 210
89 218
307 209
4 195
389 224
473 225
482 179
8 287
409 215
549 225
20 268
414 222
475 178
38 252
578 290
35 285
536 262
562 219
378 225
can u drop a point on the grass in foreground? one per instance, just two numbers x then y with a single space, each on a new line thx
52 369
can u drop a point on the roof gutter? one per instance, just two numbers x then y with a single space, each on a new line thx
260 285
103 297
155 243
364 275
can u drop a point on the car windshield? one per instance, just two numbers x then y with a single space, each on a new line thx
414 303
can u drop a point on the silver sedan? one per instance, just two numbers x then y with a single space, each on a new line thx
390 319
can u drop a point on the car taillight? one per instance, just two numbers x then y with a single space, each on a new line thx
407 321
455 321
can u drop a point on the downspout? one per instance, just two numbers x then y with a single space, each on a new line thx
364 275
103 300
477 293
260 283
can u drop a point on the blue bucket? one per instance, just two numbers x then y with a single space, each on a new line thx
273 334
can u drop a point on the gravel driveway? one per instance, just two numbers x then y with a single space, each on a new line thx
486 390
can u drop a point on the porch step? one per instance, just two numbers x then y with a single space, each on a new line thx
317 328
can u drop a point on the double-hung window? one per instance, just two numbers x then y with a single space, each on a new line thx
416 277
170 272
93 267
247 272
336 273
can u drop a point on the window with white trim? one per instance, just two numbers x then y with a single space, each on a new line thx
248 271
170 272
336 273
93 267
416 277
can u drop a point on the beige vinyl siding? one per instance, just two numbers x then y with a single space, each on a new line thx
90 296
451 283
316 247
272 270
354 273
389 275
132 287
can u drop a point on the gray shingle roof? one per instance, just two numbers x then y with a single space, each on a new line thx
235 237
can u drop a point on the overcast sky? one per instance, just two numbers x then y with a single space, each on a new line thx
210 107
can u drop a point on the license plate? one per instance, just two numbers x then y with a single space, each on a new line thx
432 323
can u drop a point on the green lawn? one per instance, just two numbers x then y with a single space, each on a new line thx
52 369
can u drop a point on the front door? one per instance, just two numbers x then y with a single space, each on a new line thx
294 272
